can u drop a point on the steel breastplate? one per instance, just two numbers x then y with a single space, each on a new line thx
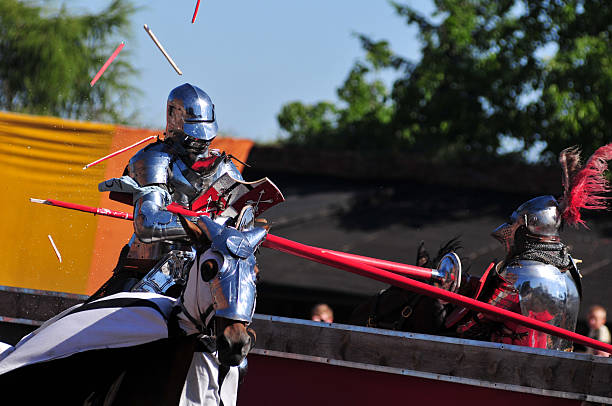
187 184
546 294
184 190
161 164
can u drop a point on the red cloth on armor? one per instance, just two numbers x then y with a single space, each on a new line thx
204 164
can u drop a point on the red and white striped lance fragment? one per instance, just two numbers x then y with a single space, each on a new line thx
172 208
79 207
59 256
106 64
119 152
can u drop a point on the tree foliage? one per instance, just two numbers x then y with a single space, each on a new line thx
48 58
538 70
576 103
365 116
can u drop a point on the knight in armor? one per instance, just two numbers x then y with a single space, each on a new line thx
159 254
539 278
175 170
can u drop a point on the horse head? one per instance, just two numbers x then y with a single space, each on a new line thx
219 297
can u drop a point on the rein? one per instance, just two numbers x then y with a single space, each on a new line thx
406 311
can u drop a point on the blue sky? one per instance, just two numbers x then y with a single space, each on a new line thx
251 57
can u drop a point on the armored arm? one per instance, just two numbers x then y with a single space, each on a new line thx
150 168
481 326
152 222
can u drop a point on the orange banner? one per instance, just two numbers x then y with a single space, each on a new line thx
42 157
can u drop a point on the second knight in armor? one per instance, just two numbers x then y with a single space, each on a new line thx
175 170
538 279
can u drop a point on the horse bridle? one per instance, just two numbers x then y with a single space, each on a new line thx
405 313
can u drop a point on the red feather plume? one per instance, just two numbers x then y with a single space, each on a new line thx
585 185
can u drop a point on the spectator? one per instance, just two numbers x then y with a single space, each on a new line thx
596 319
322 312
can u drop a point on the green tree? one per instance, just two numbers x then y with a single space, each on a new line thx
489 69
576 102
365 114
48 58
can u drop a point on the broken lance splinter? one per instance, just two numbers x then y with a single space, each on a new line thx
161 48
118 152
106 64
195 13
59 256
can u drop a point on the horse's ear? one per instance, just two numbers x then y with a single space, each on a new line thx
256 236
423 257
193 231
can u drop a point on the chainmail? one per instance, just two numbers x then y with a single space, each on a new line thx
549 253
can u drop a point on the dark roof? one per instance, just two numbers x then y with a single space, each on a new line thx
387 219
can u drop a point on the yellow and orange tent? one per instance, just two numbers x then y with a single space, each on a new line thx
43 157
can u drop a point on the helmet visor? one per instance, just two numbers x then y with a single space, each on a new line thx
202 130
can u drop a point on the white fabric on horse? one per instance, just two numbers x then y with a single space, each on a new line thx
116 321
5 347
202 383
197 297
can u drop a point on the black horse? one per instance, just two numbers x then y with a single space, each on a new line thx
403 310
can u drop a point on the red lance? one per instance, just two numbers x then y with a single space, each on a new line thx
87 209
353 264
395 267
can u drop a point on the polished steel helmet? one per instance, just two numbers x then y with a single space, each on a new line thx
541 217
190 112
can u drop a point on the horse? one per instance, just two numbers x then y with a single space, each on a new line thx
398 309
142 348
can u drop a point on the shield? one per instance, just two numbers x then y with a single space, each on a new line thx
228 196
